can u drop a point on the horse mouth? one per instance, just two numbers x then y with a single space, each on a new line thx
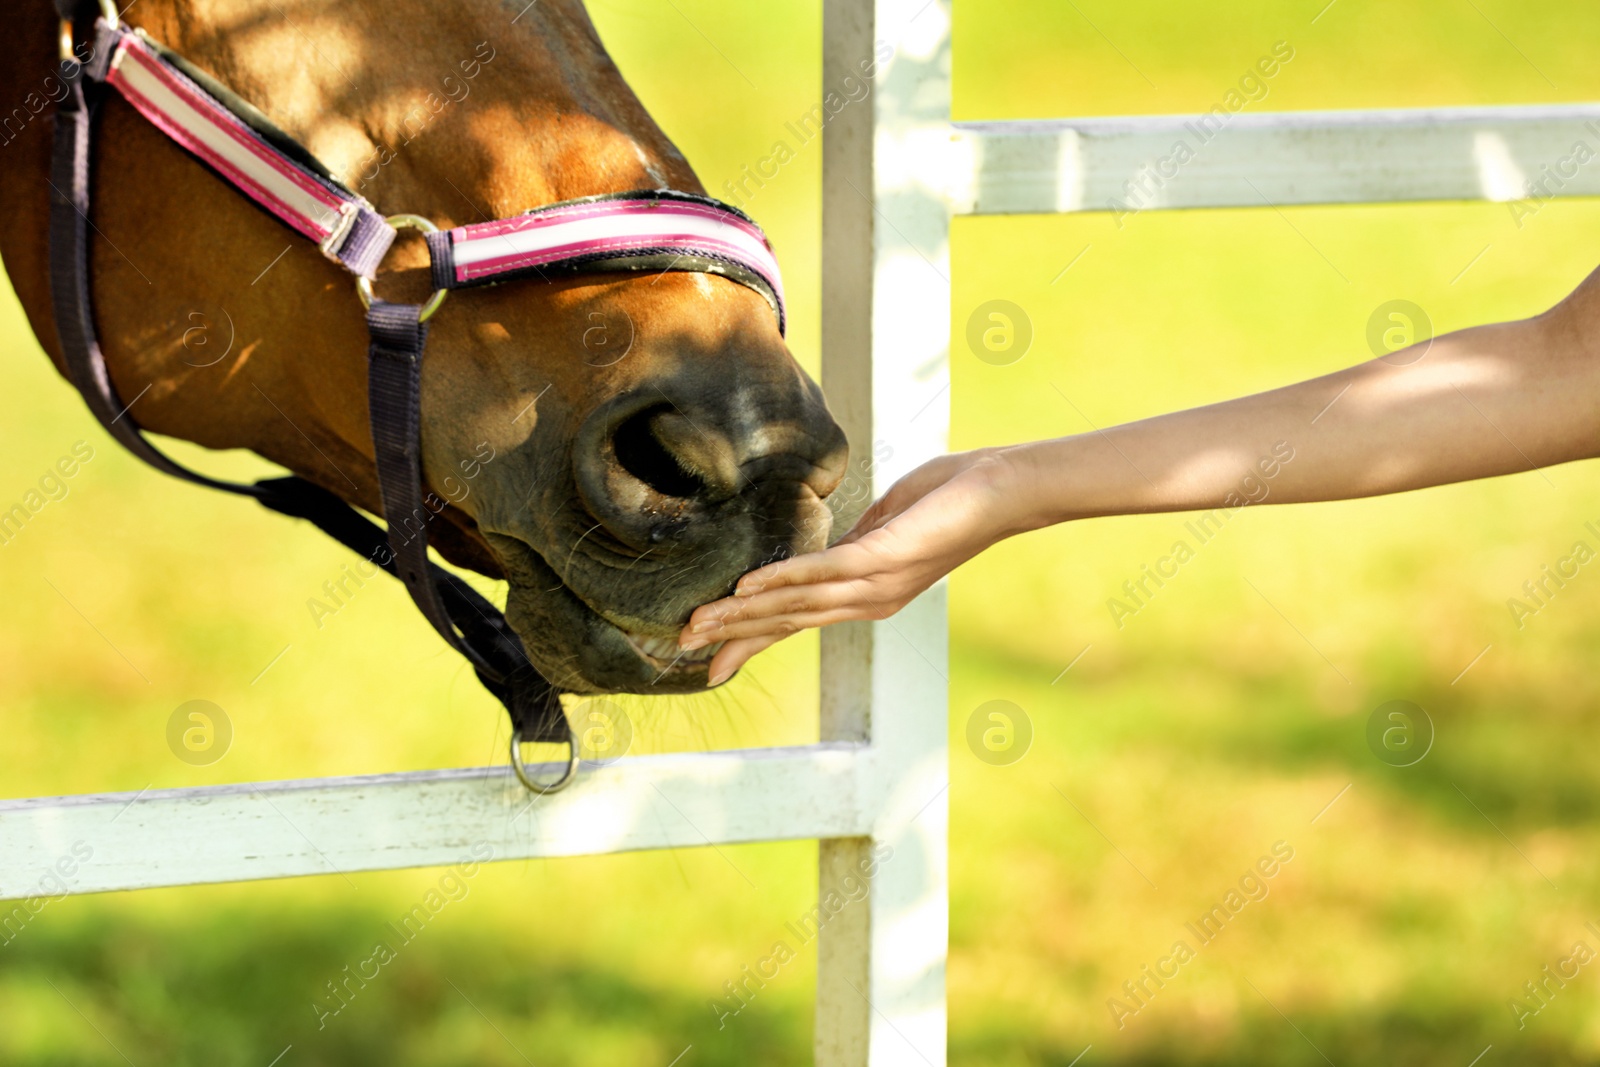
581 648
664 654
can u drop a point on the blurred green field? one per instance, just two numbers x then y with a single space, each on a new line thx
1223 718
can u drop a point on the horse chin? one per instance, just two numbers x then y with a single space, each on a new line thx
582 650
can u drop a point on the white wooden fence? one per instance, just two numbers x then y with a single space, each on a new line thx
893 173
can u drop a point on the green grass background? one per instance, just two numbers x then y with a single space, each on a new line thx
1216 722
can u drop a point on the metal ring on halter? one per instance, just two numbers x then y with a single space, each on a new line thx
522 770
404 222
66 42
108 11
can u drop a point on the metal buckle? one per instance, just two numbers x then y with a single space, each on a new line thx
330 245
527 780
364 288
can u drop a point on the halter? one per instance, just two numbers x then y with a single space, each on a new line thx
647 230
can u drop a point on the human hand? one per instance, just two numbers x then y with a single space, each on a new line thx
928 523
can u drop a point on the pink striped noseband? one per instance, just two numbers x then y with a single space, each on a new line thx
646 230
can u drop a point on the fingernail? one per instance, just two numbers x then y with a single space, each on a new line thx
720 677
689 644
748 590
706 627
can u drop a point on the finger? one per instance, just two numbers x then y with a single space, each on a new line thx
795 571
884 511
733 655
706 616
901 497
869 521
784 625
709 622
865 523
809 569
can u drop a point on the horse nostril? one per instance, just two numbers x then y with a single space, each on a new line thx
725 462
641 451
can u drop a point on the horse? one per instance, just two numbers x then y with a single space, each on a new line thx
618 448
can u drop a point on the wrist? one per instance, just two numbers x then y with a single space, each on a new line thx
1046 483
1016 492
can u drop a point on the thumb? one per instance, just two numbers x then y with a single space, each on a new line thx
735 654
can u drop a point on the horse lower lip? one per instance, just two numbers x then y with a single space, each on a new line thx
666 650
661 655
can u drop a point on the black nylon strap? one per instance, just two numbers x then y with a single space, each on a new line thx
394 398
533 704
485 638
69 285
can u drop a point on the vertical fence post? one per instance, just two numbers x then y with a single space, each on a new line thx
843 1016
885 355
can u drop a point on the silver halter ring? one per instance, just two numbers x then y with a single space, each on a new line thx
108 11
405 222
527 780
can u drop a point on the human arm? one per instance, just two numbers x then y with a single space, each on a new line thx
1481 402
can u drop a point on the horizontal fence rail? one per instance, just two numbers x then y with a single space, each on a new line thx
1129 165
230 833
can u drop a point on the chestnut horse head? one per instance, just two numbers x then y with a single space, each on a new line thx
618 447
